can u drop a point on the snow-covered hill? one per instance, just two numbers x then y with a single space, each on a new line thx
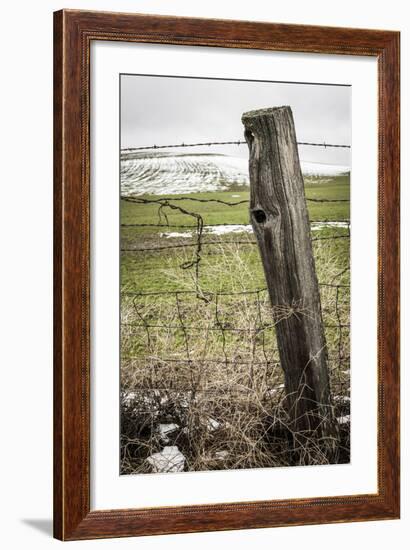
323 170
174 174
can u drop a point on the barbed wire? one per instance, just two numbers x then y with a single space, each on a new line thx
214 293
141 200
205 226
234 142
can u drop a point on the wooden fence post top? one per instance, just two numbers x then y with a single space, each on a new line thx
265 111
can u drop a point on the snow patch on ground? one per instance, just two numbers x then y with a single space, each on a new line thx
177 235
165 430
212 424
319 169
224 229
317 226
236 228
169 460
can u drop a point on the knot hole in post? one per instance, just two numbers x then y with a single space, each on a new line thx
259 215
249 137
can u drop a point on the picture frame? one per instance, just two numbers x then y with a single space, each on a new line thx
74 32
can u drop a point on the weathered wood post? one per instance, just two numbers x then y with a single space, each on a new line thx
280 222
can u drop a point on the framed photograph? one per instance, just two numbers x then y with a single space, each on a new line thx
226 275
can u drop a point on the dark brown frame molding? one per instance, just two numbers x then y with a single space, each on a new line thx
73 33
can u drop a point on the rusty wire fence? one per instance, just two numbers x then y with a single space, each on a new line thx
195 350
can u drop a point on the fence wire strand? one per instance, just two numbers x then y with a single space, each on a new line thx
238 142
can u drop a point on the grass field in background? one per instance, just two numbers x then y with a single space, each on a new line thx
335 188
147 271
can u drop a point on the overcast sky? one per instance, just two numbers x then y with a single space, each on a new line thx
164 110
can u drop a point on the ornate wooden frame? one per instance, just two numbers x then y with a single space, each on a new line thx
73 33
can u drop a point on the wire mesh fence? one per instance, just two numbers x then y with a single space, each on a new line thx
203 346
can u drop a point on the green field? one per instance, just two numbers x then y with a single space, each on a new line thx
338 188
137 268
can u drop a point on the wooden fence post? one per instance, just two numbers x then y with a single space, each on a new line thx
281 225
